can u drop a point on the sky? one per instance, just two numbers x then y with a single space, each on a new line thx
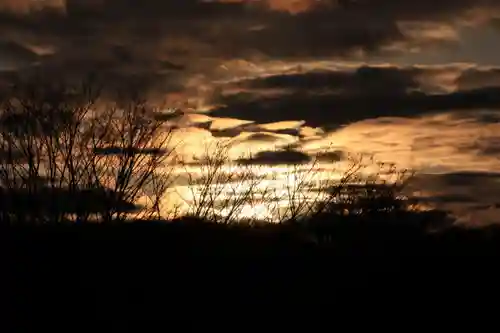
413 82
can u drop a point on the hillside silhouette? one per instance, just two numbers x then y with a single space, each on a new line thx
148 272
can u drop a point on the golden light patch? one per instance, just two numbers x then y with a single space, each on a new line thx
227 123
428 31
282 125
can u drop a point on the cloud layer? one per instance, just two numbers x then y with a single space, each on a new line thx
300 76
153 39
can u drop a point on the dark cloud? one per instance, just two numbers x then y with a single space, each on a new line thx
332 109
475 78
230 132
331 98
457 182
119 36
465 178
291 157
249 128
261 137
450 198
123 151
472 196
363 80
330 156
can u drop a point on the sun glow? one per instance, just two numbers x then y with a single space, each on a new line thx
256 192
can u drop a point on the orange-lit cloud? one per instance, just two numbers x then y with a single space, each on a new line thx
292 6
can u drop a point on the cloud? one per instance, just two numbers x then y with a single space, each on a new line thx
330 156
475 78
473 196
229 127
293 6
290 157
281 125
123 151
436 143
335 110
290 6
449 198
221 124
13 56
329 98
173 41
254 69
364 79
248 144
29 6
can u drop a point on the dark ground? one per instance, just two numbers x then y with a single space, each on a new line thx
144 272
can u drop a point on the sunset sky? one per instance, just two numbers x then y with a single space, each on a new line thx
414 82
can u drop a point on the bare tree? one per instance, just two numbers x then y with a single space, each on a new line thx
40 136
225 191
61 142
220 188
129 155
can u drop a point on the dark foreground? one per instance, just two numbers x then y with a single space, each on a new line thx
144 272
